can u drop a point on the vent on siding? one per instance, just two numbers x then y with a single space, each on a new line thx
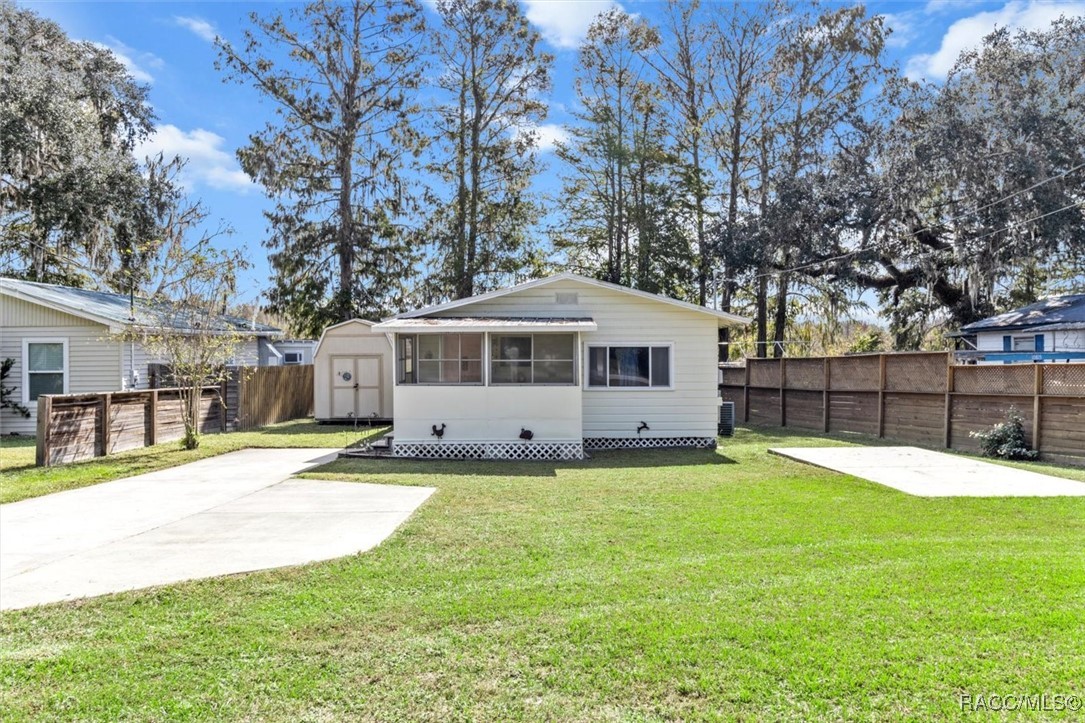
566 298
727 419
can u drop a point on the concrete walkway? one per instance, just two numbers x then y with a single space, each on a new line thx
925 473
232 513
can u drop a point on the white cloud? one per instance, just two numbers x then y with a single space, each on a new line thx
968 32
564 23
134 61
199 26
208 164
903 27
934 7
547 134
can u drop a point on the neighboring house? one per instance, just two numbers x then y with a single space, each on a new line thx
1049 330
291 352
552 367
64 341
352 374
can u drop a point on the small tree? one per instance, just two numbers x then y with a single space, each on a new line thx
7 397
183 323
1006 439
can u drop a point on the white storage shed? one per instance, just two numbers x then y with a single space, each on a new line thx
352 373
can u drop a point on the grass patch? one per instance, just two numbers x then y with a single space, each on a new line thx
20 479
646 585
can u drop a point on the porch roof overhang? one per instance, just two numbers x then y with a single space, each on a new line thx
468 324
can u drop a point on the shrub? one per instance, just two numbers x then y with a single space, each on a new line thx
1006 439
7 394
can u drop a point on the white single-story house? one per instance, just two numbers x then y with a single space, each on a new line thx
549 368
352 374
65 341
292 352
1050 330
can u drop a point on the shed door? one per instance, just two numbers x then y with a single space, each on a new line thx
369 386
356 387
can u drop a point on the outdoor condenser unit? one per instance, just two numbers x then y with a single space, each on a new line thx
727 419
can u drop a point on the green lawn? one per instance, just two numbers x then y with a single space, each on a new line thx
20 479
637 586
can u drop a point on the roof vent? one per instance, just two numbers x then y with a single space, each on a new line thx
566 298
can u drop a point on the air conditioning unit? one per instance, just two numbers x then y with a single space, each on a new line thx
727 419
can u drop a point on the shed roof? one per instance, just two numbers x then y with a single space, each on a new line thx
118 311
1068 308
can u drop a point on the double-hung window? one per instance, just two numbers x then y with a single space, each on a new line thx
623 366
533 359
439 359
46 370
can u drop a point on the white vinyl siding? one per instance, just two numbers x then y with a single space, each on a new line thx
689 408
94 363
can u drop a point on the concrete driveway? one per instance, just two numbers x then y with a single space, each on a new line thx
232 513
926 473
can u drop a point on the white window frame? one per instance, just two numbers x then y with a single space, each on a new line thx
300 357
414 360
588 346
66 371
488 351
1030 338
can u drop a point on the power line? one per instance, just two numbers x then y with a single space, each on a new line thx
911 234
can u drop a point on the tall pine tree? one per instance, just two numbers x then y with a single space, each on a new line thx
491 77
341 77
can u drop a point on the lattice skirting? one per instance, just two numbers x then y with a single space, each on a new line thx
488 450
599 443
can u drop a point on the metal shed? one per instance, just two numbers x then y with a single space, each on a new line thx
352 373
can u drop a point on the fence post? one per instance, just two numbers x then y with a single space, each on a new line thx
45 414
746 394
1037 407
826 377
783 392
947 430
106 410
881 395
152 410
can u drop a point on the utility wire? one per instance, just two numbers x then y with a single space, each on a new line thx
958 217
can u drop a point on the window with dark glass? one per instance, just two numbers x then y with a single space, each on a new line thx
439 359
44 369
629 366
532 359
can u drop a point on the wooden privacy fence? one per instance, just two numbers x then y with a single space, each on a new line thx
260 396
920 398
72 427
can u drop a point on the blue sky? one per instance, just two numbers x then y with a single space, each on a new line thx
168 45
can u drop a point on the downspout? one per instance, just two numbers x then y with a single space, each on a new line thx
133 374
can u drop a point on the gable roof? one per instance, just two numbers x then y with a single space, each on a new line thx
363 322
724 318
1065 309
116 310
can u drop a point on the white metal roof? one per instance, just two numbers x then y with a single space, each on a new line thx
492 324
119 312
724 318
